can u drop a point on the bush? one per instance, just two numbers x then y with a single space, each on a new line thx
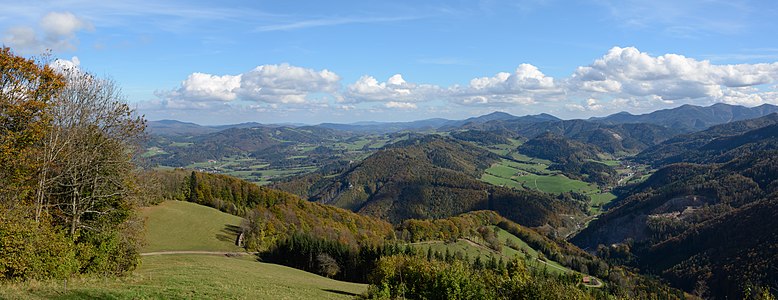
30 250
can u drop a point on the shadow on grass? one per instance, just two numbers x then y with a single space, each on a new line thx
339 292
229 234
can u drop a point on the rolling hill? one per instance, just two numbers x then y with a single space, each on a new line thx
183 226
427 177
699 146
705 220
691 117
255 141
616 139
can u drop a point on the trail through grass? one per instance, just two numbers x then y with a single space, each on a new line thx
184 226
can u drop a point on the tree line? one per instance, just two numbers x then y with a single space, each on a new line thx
68 182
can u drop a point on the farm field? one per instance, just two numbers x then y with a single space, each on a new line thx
534 176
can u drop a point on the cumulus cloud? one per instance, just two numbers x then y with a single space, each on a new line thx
266 84
400 105
622 79
524 86
64 65
286 84
55 31
368 89
207 87
627 72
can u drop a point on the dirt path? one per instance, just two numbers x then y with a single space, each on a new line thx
197 252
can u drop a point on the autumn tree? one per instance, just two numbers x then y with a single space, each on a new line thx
90 179
68 179
29 247
26 89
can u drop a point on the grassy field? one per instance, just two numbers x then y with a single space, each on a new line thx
523 158
181 144
557 183
193 277
602 198
608 162
535 176
177 225
503 170
599 200
153 151
474 248
491 179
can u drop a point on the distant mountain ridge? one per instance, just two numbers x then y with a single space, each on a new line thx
691 117
178 128
689 147
685 118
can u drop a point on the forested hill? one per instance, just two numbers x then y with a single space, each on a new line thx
700 146
619 139
558 149
703 223
272 215
690 118
341 244
428 177
241 141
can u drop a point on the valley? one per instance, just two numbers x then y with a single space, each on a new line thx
420 150
583 174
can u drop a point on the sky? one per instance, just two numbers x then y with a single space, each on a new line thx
223 62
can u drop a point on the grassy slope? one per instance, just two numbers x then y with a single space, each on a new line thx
472 251
175 225
536 176
194 276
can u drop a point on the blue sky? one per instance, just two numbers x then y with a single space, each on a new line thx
347 61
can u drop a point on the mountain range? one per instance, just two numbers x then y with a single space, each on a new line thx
685 118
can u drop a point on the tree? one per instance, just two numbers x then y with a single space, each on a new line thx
90 168
89 179
68 182
328 266
30 247
26 89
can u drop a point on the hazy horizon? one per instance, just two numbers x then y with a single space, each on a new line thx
411 120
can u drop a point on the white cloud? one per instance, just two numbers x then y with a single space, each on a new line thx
629 73
400 105
210 87
524 86
622 79
55 31
64 65
593 104
286 84
266 84
368 89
